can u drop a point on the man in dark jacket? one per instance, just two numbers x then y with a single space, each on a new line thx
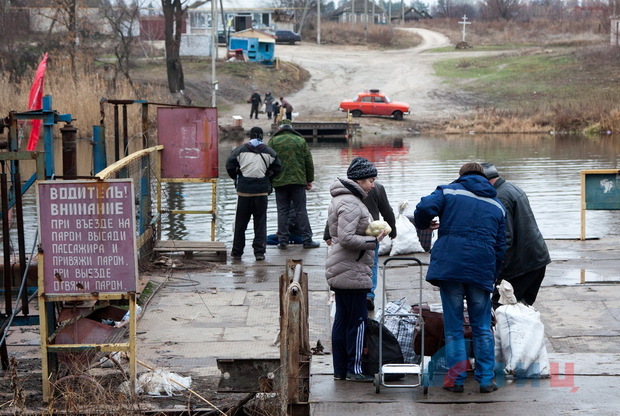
255 101
291 184
251 166
465 261
288 108
527 255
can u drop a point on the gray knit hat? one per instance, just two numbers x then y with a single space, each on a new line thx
361 168
490 171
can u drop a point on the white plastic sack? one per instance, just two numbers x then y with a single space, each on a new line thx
406 240
506 293
161 382
385 246
520 341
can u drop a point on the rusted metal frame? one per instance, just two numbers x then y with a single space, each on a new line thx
125 132
89 347
107 172
48 349
87 296
8 303
212 211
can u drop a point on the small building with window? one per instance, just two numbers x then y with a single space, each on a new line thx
258 46
360 11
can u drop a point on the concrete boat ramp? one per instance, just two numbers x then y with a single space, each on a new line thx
202 312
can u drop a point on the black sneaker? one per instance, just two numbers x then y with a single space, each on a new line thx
236 256
489 388
340 376
260 257
282 246
362 378
370 304
457 388
312 244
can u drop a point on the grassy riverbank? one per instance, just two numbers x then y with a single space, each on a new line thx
560 78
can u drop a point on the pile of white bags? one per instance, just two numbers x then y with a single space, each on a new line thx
519 337
406 240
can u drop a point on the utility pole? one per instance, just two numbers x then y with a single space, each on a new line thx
365 20
318 22
213 52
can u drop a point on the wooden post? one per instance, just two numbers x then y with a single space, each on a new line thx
133 325
583 205
294 341
45 373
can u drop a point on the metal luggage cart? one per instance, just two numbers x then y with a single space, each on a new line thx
402 369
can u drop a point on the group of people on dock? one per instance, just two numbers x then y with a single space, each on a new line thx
486 233
280 110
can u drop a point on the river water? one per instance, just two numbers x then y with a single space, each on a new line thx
546 167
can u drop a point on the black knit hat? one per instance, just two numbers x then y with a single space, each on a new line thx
490 171
256 133
361 168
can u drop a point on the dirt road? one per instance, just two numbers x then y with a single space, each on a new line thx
338 73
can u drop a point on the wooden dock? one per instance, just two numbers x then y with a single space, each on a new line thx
323 131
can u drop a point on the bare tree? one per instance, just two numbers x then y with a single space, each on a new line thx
500 9
173 24
15 59
445 8
123 19
66 15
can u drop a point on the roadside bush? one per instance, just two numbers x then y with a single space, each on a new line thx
381 36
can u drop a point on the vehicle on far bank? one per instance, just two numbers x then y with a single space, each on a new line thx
286 36
374 103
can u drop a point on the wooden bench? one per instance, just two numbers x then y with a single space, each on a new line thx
215 250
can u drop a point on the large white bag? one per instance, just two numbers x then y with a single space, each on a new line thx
406 240
385 246
520 338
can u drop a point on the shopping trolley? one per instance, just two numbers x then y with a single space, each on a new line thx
401 369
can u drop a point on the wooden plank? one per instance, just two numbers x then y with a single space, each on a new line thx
189 247
182 245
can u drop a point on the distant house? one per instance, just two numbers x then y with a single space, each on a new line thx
360 11
413 14
258 46
236 14
46 17
615 30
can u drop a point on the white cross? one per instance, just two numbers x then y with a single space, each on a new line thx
464 22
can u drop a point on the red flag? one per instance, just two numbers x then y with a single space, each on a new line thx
35 102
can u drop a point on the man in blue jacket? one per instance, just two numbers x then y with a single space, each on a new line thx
465 261
251 166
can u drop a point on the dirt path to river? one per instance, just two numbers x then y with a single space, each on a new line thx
338 72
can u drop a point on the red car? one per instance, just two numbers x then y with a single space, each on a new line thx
375 103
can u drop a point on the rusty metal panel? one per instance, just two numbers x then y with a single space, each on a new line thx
248 375
190 139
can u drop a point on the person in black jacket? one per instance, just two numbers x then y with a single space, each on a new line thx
379 206
251 166
255 101
527 255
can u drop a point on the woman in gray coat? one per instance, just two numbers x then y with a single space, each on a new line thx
348 267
